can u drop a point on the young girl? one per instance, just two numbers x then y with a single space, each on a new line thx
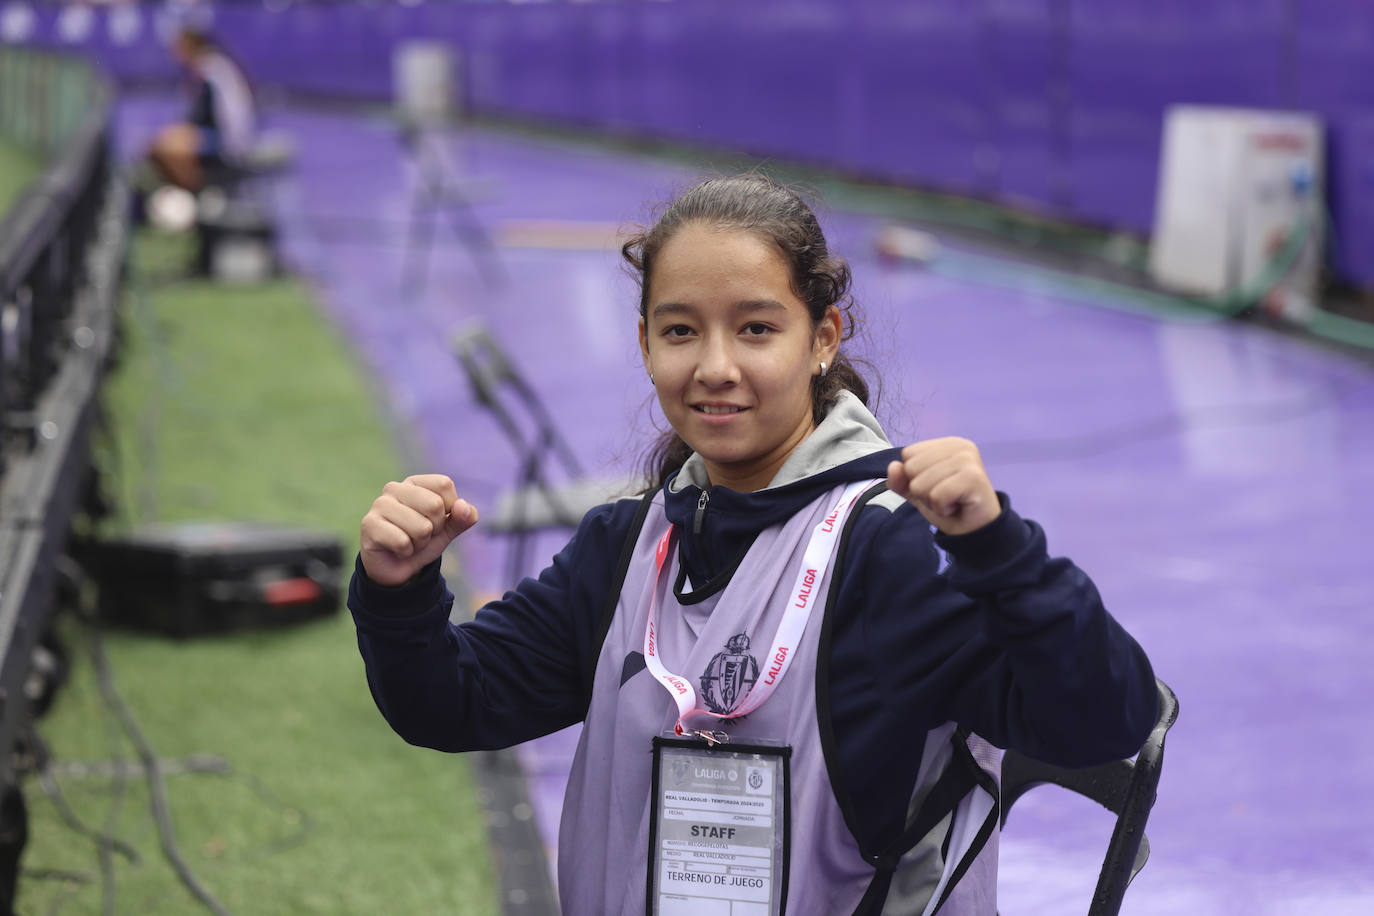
796 656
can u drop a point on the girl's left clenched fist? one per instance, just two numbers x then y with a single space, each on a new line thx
945 480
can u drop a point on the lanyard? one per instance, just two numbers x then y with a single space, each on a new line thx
815 562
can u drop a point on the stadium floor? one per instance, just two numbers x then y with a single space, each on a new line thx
1213 477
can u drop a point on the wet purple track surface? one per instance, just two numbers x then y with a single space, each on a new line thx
1217 480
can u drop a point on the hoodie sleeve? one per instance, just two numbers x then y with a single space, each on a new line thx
517 670
1005 640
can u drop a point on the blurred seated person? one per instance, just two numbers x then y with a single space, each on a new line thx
220 125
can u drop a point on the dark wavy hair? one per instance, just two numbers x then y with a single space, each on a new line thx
778 215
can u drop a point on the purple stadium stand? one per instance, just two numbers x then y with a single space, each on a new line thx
1047 104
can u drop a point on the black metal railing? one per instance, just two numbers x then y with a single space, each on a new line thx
62 248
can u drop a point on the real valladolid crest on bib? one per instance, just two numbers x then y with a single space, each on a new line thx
730 675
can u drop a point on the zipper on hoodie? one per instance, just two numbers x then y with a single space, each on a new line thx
700 517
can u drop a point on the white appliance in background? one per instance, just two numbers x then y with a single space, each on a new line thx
1239 214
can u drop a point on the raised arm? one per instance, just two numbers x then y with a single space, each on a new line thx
1018 645
516 671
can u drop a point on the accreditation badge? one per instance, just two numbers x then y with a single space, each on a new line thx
718 829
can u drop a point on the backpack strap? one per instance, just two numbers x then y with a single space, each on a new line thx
824 720
962 774
982 778
622 566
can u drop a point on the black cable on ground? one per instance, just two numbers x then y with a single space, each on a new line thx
213 765
51 788
105 841
58 874
74 881
62 899
74 579
153 770
107 872
157 785
305 823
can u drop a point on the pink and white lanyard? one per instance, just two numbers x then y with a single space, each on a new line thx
815 561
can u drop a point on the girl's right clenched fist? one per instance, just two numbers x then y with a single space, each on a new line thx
409 526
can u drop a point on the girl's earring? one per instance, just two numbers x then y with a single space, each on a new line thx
824 370
651 378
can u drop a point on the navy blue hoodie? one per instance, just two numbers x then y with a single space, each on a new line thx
983 629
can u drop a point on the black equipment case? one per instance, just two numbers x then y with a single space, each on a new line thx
203 578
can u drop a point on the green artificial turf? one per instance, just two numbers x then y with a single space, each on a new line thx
243 403
17 169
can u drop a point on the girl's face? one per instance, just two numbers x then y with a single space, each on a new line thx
732 351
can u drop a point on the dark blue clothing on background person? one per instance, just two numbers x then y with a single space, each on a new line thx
217 131
222 107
